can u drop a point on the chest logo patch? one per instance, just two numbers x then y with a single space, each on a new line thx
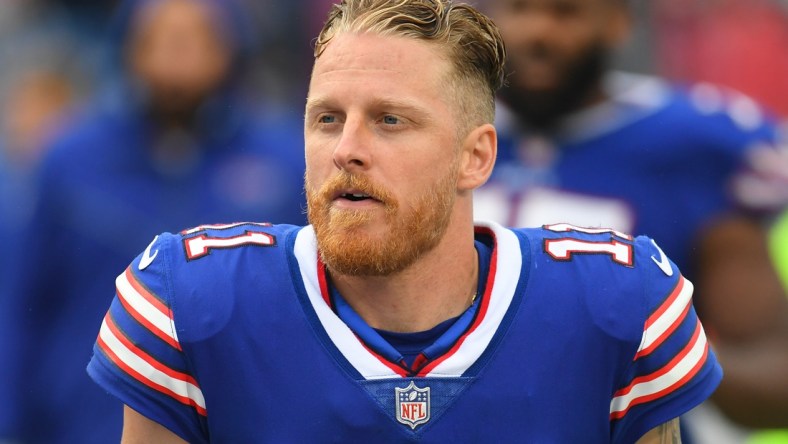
413 405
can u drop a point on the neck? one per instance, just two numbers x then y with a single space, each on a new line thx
439 286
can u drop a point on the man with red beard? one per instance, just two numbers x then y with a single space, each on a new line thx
394 316
701 169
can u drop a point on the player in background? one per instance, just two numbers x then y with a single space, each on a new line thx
394 317
585 145
173 143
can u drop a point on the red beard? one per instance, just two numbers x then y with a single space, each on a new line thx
345 247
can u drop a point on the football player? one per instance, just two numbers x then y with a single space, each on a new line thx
394 317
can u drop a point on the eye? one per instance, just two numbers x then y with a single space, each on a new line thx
390 120
327 118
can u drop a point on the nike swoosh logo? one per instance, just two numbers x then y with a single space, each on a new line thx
662 263
148 258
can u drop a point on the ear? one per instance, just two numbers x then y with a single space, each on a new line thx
477 157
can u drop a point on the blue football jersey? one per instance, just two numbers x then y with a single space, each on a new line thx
652 160
229 333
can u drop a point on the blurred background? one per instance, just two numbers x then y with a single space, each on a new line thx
58 56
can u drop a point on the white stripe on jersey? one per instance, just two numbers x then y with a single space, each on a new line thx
668 317
151 374
162 322
668 379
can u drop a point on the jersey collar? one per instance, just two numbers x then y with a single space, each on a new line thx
504 275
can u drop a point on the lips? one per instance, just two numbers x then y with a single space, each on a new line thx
354 189
354 195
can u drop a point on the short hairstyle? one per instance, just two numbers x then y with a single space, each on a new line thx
474 46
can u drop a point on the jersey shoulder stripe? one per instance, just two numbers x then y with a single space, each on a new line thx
146 369
643 304
146 308
139 336
149 347
671 377
673 354
667 317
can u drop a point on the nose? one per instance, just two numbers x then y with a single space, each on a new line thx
352 152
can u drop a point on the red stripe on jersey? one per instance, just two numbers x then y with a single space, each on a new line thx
145 356
664 370
484 305
666 304
643 399
142 379
667 367
420 360
321 279
647 351
150 297
398 369
142 319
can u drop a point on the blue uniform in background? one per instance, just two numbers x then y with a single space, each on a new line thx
116 176
651 160
234 333
101 197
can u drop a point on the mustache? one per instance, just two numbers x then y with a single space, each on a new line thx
359 183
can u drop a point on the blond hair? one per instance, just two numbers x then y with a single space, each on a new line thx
474 46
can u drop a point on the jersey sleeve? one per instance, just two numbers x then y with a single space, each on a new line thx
137 356
673 369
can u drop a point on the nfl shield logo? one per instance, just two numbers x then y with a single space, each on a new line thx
413 405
